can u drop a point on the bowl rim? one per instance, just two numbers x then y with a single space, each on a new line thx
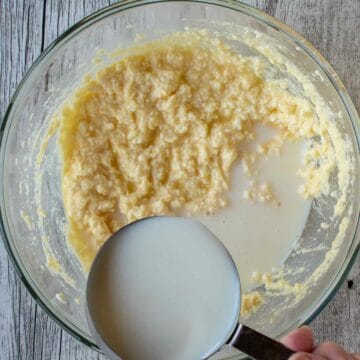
235 5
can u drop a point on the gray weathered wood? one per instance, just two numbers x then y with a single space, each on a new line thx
28 26
21 37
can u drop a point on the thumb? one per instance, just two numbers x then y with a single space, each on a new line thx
301 339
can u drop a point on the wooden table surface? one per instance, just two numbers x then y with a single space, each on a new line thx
27 27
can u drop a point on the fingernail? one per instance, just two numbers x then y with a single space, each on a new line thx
300 356
305 327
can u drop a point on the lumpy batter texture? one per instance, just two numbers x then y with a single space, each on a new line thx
159 132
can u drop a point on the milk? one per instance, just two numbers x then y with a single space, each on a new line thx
164 288
147 313
259 236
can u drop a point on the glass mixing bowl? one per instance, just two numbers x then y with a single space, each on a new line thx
30 180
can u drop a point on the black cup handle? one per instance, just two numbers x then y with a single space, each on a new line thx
258 346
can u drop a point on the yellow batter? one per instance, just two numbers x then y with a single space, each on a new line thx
159 131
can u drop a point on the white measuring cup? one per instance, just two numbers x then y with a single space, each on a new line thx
166 288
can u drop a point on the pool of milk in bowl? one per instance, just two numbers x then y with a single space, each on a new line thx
260 234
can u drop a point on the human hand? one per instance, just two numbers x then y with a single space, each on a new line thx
302 340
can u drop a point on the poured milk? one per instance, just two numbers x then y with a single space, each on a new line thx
164 288
259 236
130 306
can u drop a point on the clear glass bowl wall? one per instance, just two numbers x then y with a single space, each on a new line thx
60 69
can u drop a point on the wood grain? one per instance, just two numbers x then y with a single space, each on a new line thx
29 26
20 38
